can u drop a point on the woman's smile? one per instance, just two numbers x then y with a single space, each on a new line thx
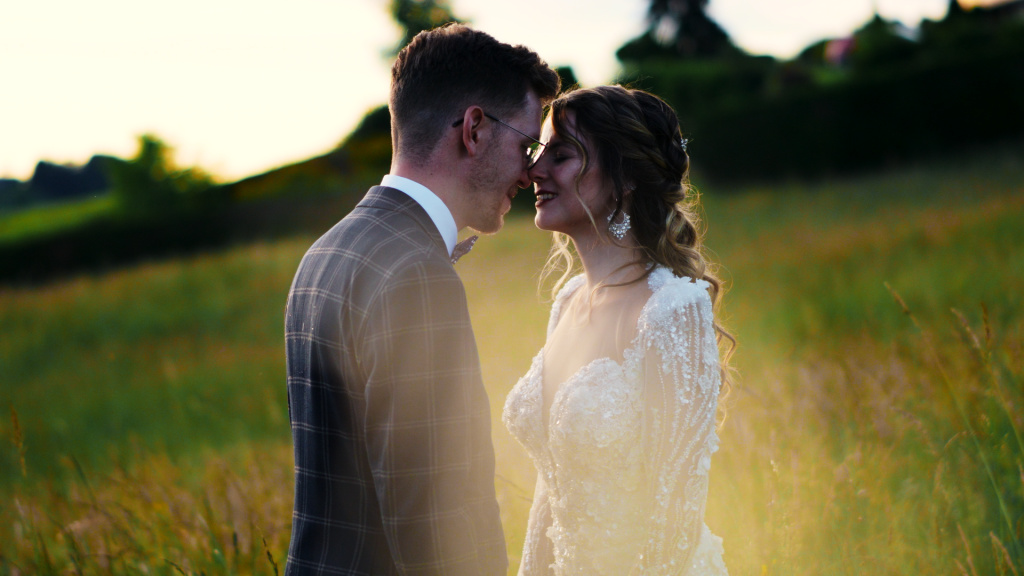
543 196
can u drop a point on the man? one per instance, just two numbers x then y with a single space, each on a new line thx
394 468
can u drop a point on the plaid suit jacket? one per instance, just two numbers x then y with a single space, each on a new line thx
394 467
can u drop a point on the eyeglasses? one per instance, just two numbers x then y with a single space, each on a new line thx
533 151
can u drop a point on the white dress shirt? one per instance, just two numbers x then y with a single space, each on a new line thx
435 207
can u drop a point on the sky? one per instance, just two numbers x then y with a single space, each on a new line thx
238 87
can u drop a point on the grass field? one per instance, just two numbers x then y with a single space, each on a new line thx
150 409
42 220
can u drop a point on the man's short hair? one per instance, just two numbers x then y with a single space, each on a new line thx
444 70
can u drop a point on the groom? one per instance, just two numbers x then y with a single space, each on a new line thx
394 468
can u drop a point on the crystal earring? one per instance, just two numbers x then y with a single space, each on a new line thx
619 229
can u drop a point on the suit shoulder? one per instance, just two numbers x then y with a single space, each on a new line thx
368 228
377 239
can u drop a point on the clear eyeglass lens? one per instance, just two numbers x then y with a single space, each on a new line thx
533 153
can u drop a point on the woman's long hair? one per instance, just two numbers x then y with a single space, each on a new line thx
638 145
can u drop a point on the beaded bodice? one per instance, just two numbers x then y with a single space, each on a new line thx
623 458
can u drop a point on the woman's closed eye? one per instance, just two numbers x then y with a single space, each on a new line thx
559 153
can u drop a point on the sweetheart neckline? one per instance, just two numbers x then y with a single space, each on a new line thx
564 386
631 347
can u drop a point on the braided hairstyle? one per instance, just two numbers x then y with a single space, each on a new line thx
637 143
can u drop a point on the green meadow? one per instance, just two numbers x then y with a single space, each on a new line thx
873 426
49 218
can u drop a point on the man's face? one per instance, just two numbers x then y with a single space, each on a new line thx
501 170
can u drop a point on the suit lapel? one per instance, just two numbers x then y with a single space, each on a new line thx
392 200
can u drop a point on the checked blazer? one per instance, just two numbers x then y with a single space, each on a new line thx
394 467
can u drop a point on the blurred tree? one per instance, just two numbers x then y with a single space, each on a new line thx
686 25
679 28
376 121
54 182
150 185
964 31
367 150
568 77
14 194
815 53
686 58
415 16
881 44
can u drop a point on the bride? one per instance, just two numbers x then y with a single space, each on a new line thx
618 408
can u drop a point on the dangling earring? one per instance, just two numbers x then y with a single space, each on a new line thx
619 229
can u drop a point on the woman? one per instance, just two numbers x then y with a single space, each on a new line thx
618 408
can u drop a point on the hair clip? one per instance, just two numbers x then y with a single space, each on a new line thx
683 142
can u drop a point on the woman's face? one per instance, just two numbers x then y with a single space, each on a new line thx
554 177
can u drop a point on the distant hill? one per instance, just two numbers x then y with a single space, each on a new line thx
52 182
363 156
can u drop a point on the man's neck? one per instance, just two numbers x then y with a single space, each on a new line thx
443 184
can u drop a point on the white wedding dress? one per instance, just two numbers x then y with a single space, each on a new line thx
623 460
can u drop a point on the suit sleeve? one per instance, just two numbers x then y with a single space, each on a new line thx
428 426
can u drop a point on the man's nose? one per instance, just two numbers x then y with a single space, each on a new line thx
524 180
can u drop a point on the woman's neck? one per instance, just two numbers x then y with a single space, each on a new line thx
603 260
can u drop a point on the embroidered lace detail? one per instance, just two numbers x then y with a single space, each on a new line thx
623 462
567 290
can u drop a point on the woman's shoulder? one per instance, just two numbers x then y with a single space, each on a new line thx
571 285
673 294
567 290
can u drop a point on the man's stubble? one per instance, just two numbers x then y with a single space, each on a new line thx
487 200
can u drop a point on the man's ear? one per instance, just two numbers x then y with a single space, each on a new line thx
472 120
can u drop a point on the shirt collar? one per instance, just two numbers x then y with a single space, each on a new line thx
434 206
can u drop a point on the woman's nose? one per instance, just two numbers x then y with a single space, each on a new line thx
536 173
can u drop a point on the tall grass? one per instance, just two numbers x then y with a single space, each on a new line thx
232 515
873 429
174 356
893 458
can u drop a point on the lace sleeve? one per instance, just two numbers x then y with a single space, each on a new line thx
681 380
